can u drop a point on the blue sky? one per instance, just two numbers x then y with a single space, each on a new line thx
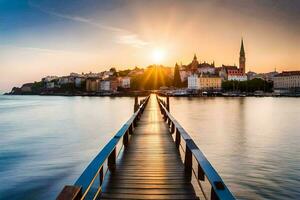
46 37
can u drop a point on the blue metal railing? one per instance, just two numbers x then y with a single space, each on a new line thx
82 187
218 188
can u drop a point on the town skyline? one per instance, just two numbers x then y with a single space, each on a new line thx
42 38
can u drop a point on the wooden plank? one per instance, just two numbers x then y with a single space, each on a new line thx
150 167
148 197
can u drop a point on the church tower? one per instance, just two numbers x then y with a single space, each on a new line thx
194 64
242 58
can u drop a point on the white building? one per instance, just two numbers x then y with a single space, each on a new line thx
287 80
236 77
193 83
105 85
125 82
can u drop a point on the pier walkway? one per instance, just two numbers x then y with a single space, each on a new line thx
150 157
151 167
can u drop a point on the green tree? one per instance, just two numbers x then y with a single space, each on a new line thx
177 80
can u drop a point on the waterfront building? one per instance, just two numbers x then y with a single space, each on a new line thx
287 80
193 83
125 82
109 85
78 81
114 84
92 84
236 75
232 73
105 85
210 82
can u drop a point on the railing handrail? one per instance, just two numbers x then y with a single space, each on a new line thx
92 170
212 175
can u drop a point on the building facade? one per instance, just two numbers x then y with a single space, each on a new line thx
105 85
92 84
125 82
193 83
79 81
287 80
210 83
236 75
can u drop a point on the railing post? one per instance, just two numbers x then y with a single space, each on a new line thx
201 175
111 163
168 104
125 139
178 138
101 176
136 103
213 195
188 163
172 128
131 129
169 122
70 192
135 122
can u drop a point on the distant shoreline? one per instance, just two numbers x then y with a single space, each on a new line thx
145 93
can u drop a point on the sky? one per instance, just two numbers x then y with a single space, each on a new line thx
56 37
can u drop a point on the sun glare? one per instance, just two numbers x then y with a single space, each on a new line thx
158 55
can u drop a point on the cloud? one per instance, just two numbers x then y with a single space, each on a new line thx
123 36
131 39
40 50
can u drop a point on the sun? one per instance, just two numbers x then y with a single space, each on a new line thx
158 55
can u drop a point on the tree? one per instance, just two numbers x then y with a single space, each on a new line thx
177 80
114 71
247 86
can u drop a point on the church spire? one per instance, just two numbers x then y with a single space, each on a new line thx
242 51
242 58
195 57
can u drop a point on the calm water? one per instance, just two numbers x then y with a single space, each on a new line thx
46 142
254 143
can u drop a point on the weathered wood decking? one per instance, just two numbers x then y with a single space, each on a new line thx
151 167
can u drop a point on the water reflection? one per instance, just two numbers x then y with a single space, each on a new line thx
46 142
252 142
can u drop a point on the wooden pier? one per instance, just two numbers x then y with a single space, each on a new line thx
154 160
